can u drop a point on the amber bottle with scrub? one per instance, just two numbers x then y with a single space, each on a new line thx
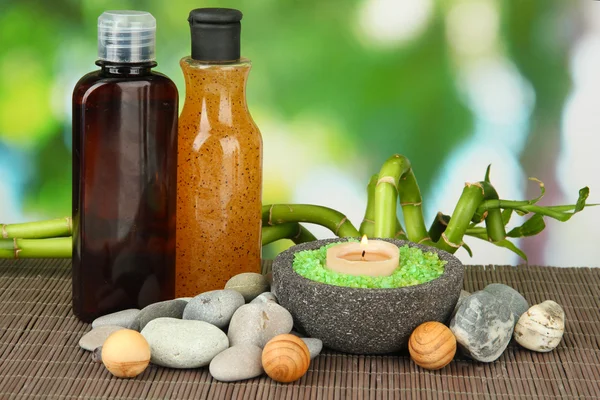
219 178
124 173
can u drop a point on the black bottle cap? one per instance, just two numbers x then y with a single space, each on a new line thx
215 34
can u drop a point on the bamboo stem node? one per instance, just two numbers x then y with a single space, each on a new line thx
440 218
69 225
477 184
339 225
484 216
17 250
4 232
425 239
414 204
270 222
388 179
449 243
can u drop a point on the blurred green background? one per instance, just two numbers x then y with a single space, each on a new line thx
339 86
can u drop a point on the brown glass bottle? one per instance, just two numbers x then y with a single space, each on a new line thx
124 177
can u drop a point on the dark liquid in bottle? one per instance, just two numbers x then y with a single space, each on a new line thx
124 176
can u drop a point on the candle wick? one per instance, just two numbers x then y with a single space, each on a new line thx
363 254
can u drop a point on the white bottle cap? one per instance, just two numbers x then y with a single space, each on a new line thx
126 36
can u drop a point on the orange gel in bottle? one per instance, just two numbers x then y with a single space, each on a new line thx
219 179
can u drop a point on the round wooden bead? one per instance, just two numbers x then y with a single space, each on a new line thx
285 358
126 353
432 345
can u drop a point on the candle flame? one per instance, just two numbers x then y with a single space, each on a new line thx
364 242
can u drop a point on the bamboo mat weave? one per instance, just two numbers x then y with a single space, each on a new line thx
40 358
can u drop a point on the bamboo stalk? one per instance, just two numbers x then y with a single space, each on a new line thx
411 202
400 234
333 220
494 223
438 226
367 226
397 180
386 195
468 202
38 230
291 230
36 248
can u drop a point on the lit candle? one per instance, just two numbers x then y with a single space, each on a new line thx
369 257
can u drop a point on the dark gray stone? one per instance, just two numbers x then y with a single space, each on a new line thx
97 355
483 326
163 309
215 307
364 321
510 297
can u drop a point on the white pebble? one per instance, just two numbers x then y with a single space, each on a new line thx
542 327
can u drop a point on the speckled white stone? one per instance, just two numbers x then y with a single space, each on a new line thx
541 328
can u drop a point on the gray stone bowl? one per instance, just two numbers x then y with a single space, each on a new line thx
364 321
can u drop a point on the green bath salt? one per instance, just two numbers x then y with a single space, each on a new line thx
416 267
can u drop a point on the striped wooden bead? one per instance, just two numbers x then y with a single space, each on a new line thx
285 358
432 345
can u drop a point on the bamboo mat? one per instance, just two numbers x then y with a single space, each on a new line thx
40 358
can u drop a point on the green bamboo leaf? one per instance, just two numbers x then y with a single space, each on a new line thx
506 215
468 249
542 190
557 212
569 207
487 173
531 227
511 246
583 195
507 244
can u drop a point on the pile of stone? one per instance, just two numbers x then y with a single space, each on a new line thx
228 329
225 329
484 323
